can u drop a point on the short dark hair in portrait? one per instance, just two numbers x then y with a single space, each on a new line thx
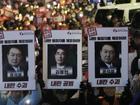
107 59
15 66
62 61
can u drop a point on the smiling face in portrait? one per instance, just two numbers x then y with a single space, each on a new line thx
14 56
107 54
60 56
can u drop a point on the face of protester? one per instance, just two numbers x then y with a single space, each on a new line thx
107 54
14 57
60 56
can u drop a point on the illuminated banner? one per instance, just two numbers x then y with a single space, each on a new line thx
62 68
108 56
17 67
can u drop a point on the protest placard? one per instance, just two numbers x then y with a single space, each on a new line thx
62 68
108 56
17 67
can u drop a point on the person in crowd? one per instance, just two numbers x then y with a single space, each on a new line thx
135 69
107 65
15 67
135 65
32 97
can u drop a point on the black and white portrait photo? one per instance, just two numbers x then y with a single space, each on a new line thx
15 66
107 60
62 61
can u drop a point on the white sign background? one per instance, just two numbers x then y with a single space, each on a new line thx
65 35
98 35
21 38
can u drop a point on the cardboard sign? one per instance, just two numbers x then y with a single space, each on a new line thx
108 57
17 67
62 68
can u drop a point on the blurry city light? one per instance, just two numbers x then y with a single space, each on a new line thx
9 6
28 102
20 17
81 14
60 24
54 3
48 5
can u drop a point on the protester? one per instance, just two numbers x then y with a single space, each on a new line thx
20 98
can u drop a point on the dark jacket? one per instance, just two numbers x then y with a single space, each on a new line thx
134 66
102 71
9 74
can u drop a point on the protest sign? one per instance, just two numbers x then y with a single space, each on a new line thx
108 56
17 67
62 68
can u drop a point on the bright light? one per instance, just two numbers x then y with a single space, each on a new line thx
60 24
48 6
31 18
28 102
32 6
62 2
81 14
73 6
9 6
54 3
16 17
20 17
58 6
66 12
27 15
27 5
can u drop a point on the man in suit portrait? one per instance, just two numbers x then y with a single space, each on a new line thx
107 65
61 67
15 67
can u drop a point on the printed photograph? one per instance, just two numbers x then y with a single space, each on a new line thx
107 59
15 66
62 61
